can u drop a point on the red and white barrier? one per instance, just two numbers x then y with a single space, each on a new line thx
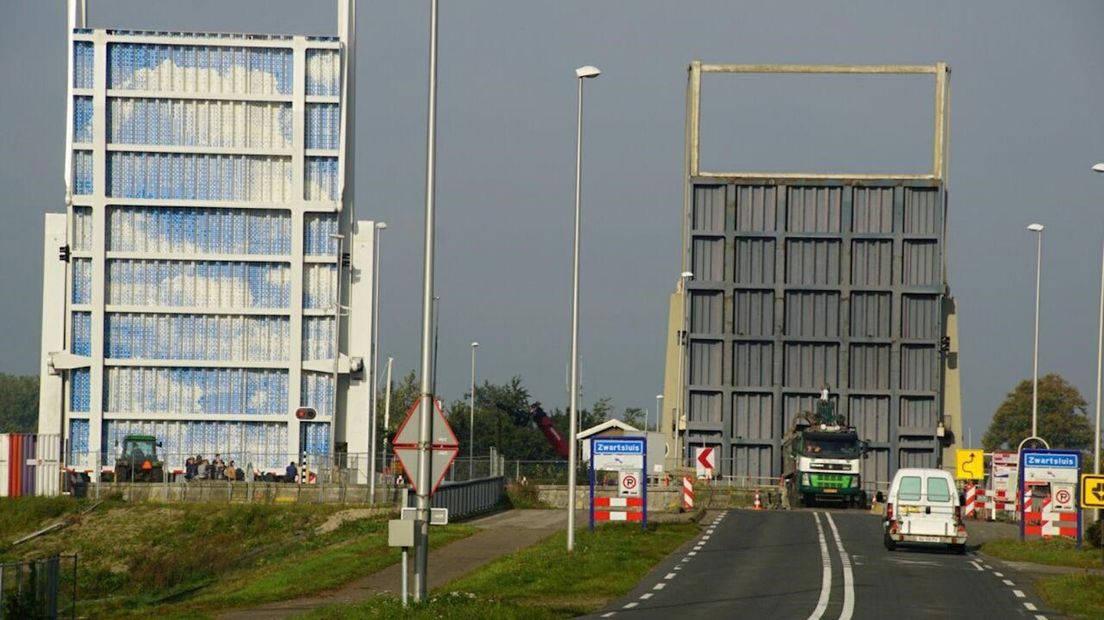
633 509
1049 522
687 493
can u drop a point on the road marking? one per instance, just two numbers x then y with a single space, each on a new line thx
609 614
630 605
1040 618
826 574
998 574
1008 582
678 566
1030 606
978 566
848 576
987 567
692 553
646 595
706 537
659 586
1018 594
670 575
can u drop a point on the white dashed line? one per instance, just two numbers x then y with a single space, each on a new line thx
1008 582
1040 618
659 586
630 605
706 537
977 566
1019 594
646 595
678 567
1030 607
609 614
987 567
998 574
670 575
692 553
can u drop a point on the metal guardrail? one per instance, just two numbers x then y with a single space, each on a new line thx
466 499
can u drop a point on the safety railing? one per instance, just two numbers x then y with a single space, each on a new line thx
39 589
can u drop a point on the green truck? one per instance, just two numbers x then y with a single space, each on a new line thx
822 458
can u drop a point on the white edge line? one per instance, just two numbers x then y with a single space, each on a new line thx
826 573
609 614
848 575
669 576
646 595
630 605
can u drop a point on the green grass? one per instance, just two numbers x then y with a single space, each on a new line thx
1079 595
540 582
189 560
1055 552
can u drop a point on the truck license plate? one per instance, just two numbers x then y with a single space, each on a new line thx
830 490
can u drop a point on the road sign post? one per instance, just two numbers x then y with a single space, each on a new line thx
1092 496
1050 476
627 456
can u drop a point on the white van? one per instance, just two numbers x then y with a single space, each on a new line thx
922 508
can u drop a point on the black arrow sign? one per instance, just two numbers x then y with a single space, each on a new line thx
1098 491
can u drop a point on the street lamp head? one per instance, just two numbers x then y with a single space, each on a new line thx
475 344
1099 167
687 274
381 225
1035 227
587 72
659 395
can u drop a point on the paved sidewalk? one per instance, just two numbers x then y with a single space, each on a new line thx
500 534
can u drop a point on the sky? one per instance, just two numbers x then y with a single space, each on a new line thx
1026 108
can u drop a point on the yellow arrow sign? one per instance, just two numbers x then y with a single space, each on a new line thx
1092 491
969 464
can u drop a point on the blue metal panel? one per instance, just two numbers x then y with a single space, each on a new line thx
209 231
82 173
80 389
318 338
82 119
189 337
83 58
320 178
78 439
221 177
318 392
230 391
82 280
318 234
214 69
323 126
323 72
82 333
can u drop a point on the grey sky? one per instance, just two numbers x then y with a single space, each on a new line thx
1027 99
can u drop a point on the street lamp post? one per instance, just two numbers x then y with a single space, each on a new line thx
1036 228
582 73
679 412
373 414
659 410
471 416
1099 360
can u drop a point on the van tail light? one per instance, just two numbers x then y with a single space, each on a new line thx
889 512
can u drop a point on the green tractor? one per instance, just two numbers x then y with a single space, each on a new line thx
138 461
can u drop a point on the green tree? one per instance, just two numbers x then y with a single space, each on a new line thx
18 404
634 416
1062 420
403 395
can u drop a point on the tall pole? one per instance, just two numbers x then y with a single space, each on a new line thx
471 416
386 415
421 537
573 422
373 417
659 410
1099 369
436 335
681 449
1038 229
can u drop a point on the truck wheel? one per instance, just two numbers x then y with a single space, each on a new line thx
157 474
890 544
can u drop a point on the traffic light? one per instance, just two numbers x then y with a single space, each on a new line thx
305 413
64 253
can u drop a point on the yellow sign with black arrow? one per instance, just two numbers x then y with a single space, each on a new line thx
969 464
1092 491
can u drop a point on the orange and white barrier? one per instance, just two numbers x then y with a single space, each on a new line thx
758 504
687 493
632 509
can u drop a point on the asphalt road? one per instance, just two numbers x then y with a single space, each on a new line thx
814 564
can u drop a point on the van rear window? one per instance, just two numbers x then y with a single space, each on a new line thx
938 490
909 490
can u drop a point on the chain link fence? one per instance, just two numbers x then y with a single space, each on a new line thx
39 589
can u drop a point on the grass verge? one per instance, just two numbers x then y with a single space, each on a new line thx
192 560
1055 552
1079 595
537 583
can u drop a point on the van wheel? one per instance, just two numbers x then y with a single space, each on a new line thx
890 544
